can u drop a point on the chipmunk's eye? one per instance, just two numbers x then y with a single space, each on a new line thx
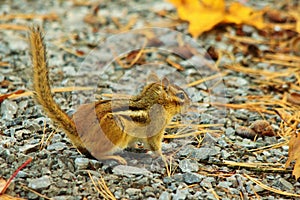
180 95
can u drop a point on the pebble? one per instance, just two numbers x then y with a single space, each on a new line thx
246 143
40 183
165 196
29 148
180 195
133 191
225 154
191 178
8 109
188 165
229 131
187 151
130 170
82 163
225 184
209 140
206 182
286 184
57 146
70 71
204 153
257 188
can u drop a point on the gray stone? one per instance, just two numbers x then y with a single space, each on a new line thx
180 194
40 183
257 188
57 146
130 170
286 184
207 182
222 142
70 71
204 153
165 196
234 191
19 133
186 151
8 109
246 143
82 163
225 154
191 178
209 140
147 189
225 184
133 191
188 165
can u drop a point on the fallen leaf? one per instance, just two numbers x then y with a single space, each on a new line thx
263 128
204 15
294 154
294 98
239 14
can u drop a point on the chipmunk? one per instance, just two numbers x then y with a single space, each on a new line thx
101 127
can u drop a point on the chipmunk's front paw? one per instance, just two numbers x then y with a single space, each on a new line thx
119 159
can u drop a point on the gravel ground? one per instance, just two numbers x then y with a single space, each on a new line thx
197 167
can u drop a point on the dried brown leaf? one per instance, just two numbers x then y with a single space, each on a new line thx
262 127
294 98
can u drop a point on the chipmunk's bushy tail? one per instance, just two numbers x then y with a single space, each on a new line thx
42 90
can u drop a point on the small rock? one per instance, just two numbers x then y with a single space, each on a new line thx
225 154
147 189
165 196
234 191
8 109
82 163
133 191
57 146
130 170
286 184
191 178
70 71
257 188
188 165
29 148
229 131
209 140
207 182
225 184
40 183
186 151
180 194
19 133
246 143
204 153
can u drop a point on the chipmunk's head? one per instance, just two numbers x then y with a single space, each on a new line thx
173 98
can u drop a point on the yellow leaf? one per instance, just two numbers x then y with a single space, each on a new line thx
237 13
198 25
203 15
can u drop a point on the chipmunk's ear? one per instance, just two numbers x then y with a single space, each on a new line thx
152 78
165 82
